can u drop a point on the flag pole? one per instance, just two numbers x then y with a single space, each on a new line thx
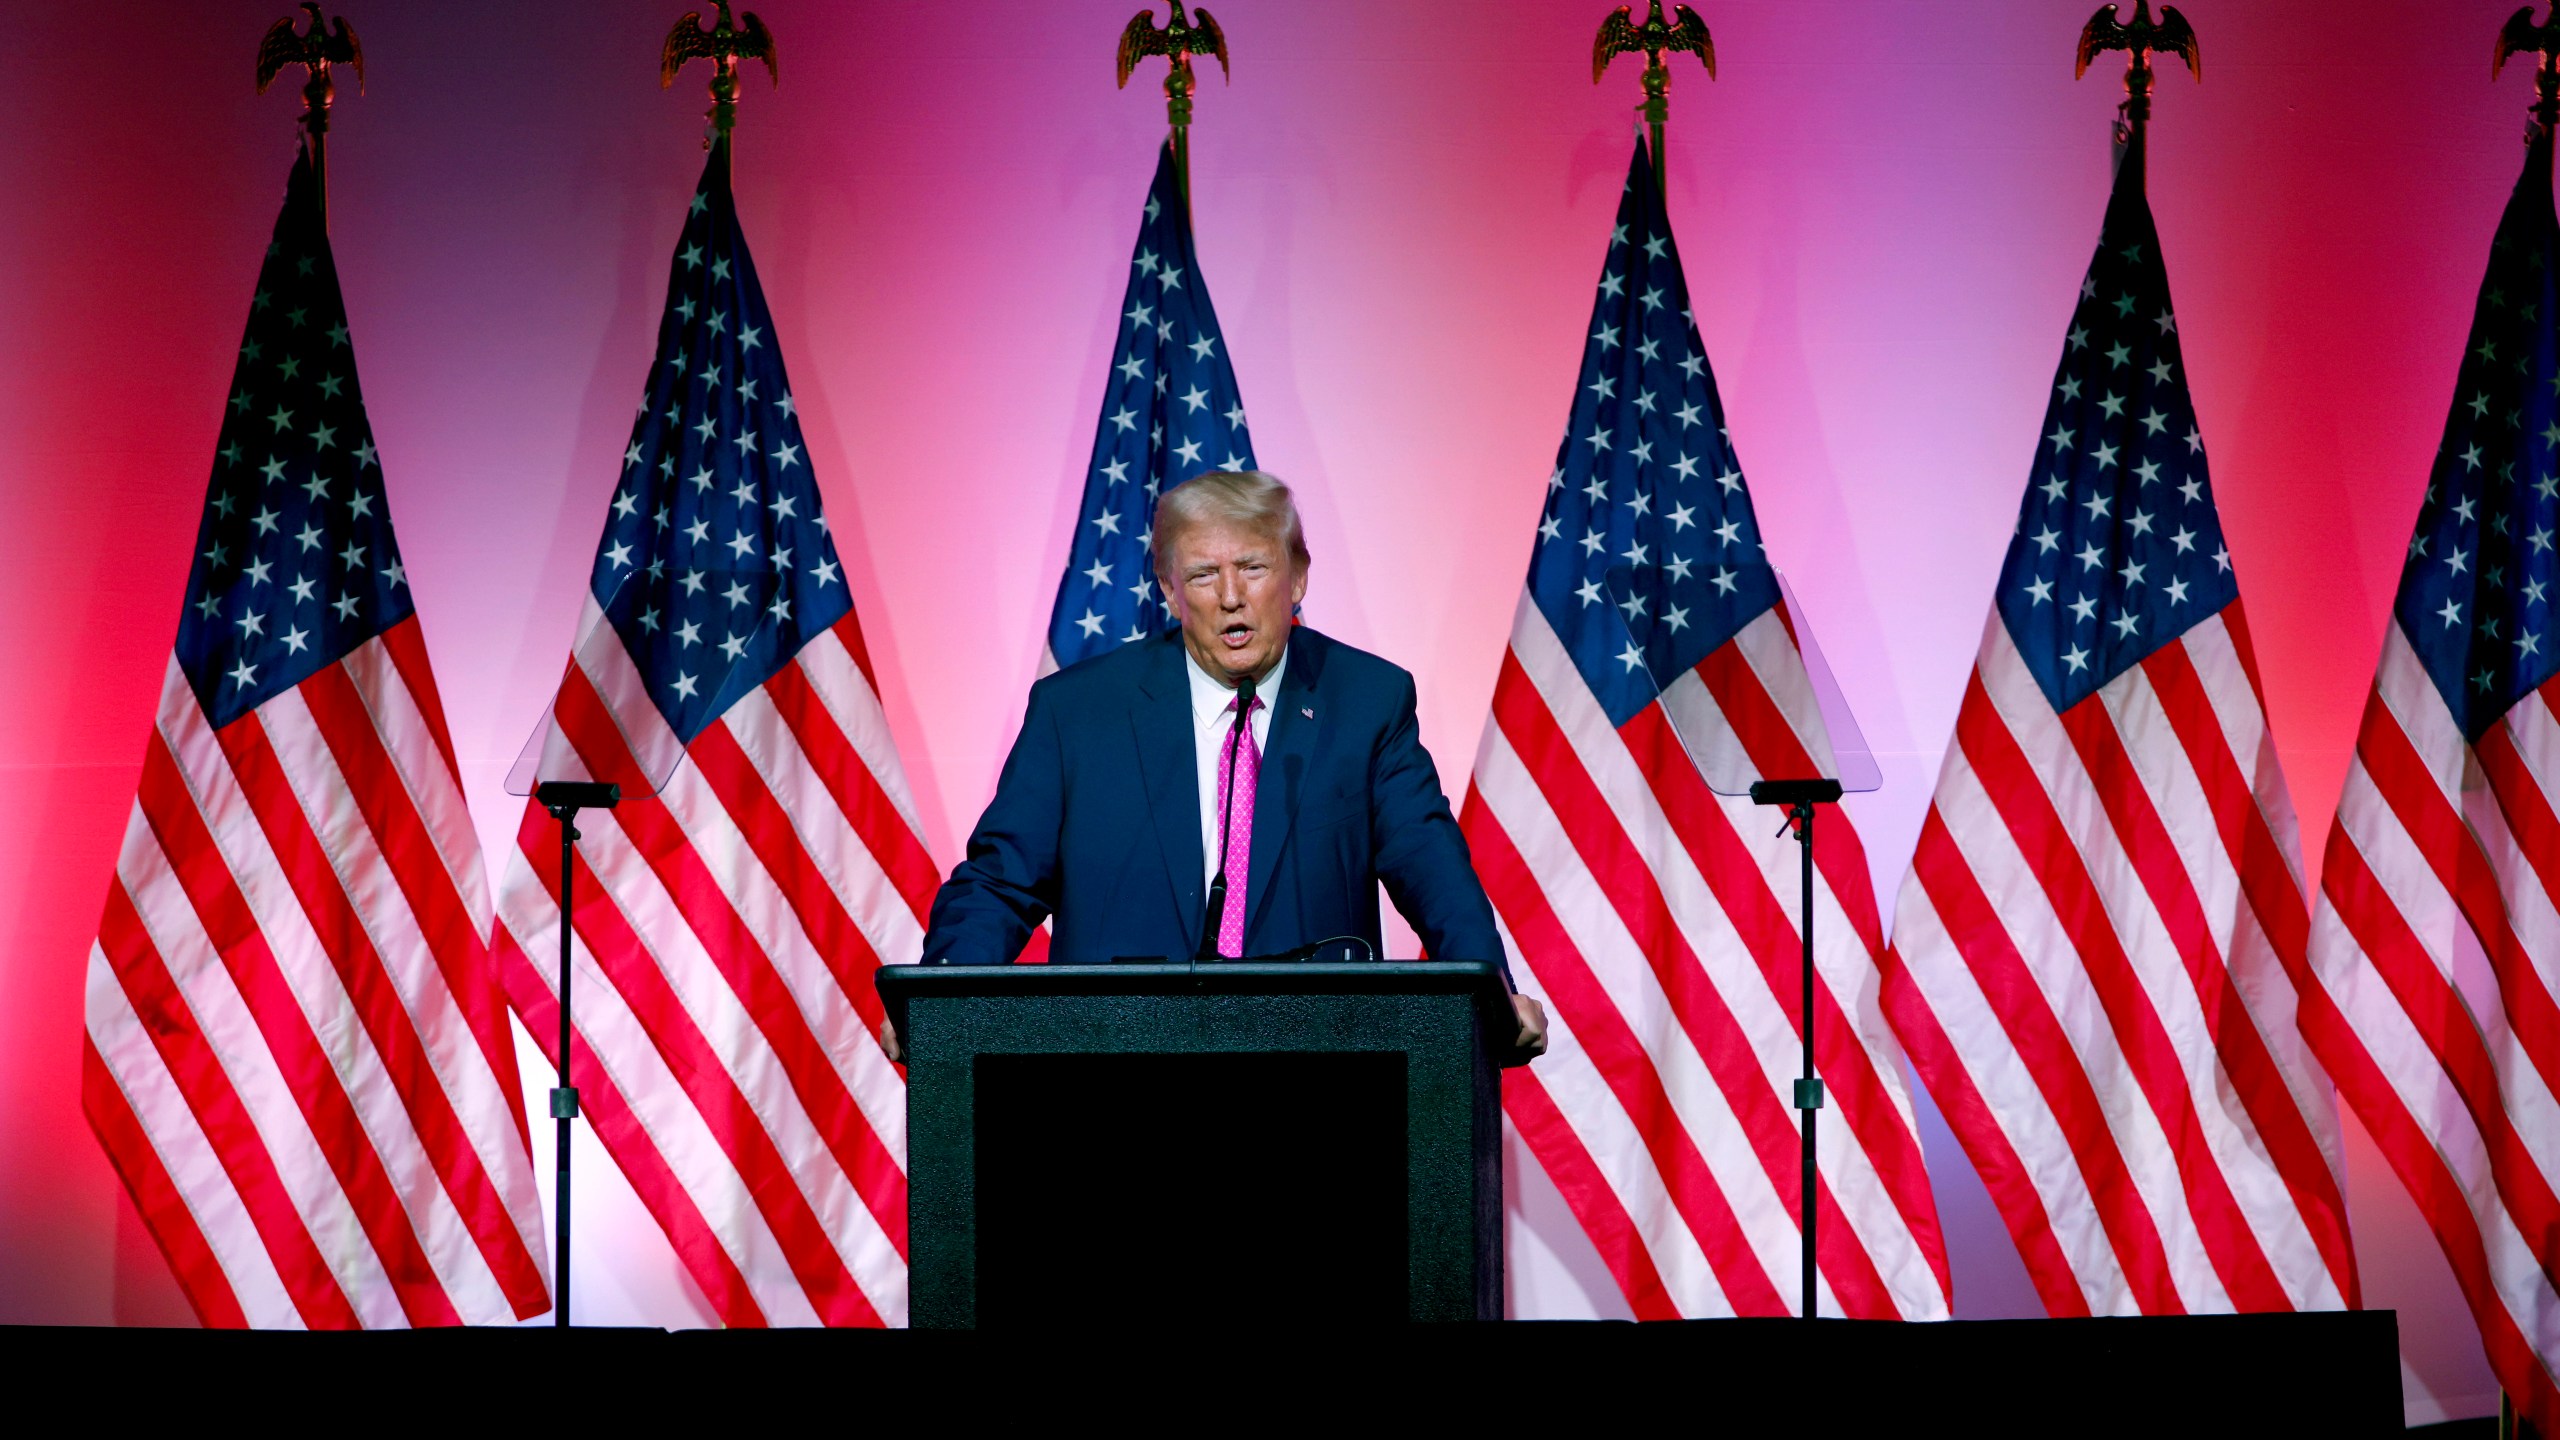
724 45
2138 37
315 50
1178 41
2520 36
1620 35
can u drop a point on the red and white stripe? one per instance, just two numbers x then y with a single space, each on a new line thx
727 932
1656 922
2433 959
296 1055
2094 967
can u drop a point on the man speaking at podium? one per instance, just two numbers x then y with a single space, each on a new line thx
1151 823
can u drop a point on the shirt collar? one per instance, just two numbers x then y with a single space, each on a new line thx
1209 699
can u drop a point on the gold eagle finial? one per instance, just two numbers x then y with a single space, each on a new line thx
2171 36
1178 41
315 50
2139 38
1620 35
724 45
2520 36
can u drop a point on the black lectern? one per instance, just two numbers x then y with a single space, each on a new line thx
1236 1144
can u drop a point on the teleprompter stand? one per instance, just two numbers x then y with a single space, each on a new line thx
561 780
564 799
1799 797
1835 751
564 779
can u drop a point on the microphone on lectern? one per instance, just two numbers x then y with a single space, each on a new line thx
1217 908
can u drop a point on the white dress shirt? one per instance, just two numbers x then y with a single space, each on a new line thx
1212 720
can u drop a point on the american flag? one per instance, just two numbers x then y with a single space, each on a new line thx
1655 920
297 1055
2437 939
2098 946
728 926
1169 413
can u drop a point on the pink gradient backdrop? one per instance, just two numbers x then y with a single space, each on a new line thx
1885 212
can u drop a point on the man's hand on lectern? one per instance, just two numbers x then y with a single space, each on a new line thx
1533 1025
898 1053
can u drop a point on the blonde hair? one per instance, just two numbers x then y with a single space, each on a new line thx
1248 498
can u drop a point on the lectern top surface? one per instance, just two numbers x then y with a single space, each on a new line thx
1480 980
1293 976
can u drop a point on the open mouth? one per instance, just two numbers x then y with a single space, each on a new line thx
1236 635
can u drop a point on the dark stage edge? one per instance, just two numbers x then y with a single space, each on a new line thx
2178 1377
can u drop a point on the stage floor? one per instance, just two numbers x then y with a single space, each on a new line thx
2180 1377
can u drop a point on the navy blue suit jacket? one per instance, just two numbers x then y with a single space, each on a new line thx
1096 820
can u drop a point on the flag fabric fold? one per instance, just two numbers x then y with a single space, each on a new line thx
727 927
297 1056
1655 920
2437 939
1170 412
2098 948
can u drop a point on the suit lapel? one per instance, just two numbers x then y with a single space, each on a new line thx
1162 722
1295 714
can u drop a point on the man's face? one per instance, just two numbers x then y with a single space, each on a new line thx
1234 588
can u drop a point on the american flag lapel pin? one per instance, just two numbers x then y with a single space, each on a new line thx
1307 710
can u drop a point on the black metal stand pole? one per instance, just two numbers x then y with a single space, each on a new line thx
564 799
1808 1087
564 1096
1799 797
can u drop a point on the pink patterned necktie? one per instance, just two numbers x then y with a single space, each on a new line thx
1240 767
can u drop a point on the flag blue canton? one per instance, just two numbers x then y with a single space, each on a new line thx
716 565
1648 555
2119 548
2475 591
294 565
1170 413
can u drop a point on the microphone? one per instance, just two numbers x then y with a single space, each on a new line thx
1217 909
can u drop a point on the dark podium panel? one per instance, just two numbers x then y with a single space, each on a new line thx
1236 1144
